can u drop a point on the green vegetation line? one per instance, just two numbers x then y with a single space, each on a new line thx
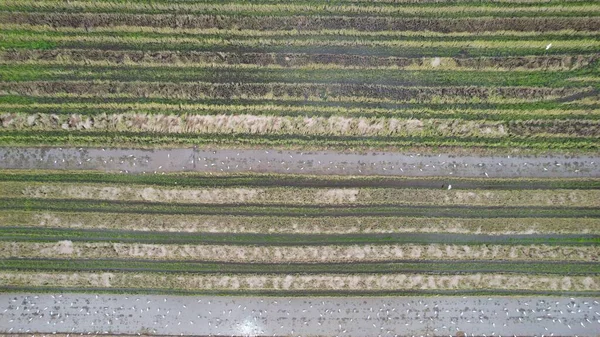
258 180
428 267
16 72
31 234
303 293
144 140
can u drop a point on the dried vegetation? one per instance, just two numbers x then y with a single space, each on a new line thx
297 254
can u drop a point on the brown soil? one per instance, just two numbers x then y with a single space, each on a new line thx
563 62
282 90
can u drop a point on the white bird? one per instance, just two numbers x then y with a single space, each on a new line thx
548 46
449 186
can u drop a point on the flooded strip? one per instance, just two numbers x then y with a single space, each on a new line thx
160 161
252 316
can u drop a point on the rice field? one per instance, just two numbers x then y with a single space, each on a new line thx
267 233
501 78
387 75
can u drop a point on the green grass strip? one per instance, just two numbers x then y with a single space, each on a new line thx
267 180
255 46
291 211
121 139
29 234
28 44
303 293
427 267
571 38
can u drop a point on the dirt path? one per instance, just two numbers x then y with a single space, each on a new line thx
174 315
279 161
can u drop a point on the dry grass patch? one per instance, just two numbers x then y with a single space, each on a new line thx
304 196
253 124
296 125
348 282
291 254
301 225
140 193
382 9
192 108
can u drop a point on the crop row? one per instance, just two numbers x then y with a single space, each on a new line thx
425 267
294 211
301 22
228 74
411 10
153 140
296 225
186 59
333 253
259 180
349 35
477 48
417 47
467 111
33 234
348 282
75 106
306 126
194 91
294 196
86 106
224 42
